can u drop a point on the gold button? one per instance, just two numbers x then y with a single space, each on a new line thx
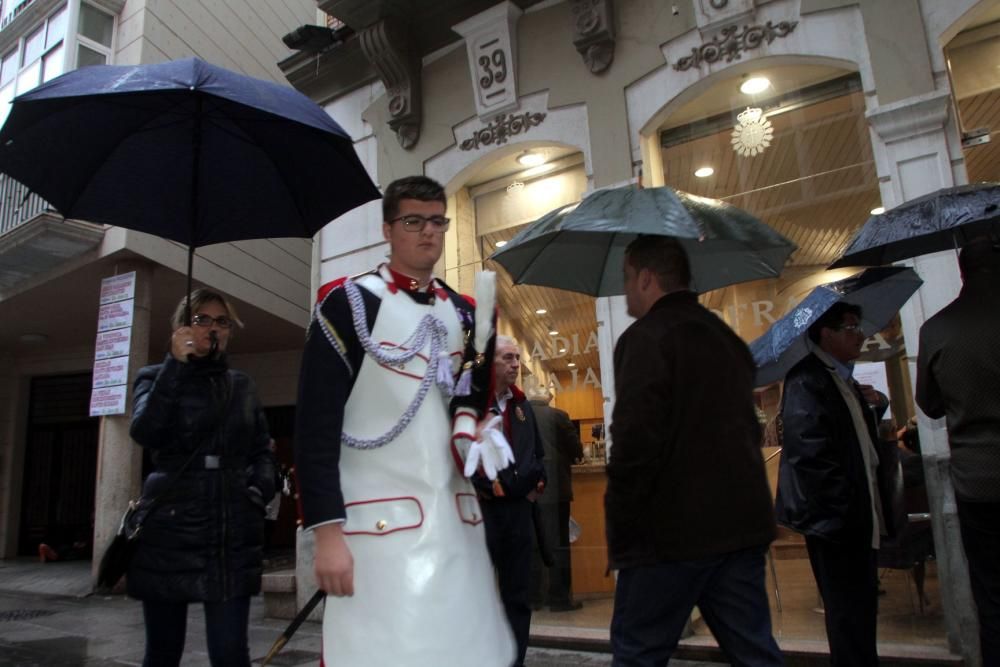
380 524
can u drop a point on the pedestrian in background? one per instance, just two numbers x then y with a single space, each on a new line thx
561 442
827 483
688 507
203 541
507 501
958 377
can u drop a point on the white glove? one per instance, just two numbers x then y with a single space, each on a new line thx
490 451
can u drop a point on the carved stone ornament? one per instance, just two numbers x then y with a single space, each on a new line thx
386 45
594 32
732 42
502 128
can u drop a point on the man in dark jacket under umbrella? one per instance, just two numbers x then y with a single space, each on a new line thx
827 487
688 507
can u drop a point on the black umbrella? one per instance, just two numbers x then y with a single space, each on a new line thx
184 150
943 220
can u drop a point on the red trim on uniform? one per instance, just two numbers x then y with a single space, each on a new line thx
472 301
459 464
476 518
385 500
329 287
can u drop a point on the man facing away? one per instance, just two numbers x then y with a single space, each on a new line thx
561 442
958 377
827 486
400 545
688 507
507 500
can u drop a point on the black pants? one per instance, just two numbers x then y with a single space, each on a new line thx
553 584
847 577
225 632
509 538
981 538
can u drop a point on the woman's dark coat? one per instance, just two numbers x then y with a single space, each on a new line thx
204 539
822 485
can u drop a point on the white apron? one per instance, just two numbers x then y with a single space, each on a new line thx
424 588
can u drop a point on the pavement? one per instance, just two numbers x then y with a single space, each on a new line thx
47 619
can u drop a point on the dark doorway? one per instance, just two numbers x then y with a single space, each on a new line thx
60 467
281 533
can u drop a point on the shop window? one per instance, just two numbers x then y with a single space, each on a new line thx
975 78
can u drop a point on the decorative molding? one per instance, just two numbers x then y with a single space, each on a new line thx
594 32
713 15
387 46
732 42
502 128
911 117
491 47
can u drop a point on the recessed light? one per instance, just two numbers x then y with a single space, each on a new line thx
562 350
501 244
541 311
571 365
530 159
754 85
704 172
553 332
878 210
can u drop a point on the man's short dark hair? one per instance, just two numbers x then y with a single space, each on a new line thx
979 256
664 257
411 187
833 318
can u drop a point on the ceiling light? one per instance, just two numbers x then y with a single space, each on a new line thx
553 332
571 365
541 311
704 172
501 244
754 85
562 350
530 159
878 210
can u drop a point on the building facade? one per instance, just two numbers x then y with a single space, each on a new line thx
811 114
66 476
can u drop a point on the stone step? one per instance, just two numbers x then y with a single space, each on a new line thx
278 591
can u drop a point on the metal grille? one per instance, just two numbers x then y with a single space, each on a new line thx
23 614
17 206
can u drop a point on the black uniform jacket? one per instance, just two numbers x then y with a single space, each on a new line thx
822 486
325 384
204 539
521 477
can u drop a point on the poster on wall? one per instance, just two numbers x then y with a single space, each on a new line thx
109 389
874 374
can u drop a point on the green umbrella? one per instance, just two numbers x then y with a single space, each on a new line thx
581 247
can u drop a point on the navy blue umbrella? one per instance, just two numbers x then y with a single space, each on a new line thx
184 150
942 220
880 291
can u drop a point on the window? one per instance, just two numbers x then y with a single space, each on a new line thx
39 57
95 34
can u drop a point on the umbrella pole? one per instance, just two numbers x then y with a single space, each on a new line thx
195 162
187 301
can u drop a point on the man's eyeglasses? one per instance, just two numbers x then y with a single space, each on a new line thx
850 328
203 320
416 223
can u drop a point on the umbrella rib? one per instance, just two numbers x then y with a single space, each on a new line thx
604 268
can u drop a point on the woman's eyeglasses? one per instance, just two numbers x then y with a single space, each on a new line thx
416 223
203 320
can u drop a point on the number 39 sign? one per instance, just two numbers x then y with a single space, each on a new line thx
490 44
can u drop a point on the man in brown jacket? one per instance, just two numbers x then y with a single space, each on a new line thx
688 507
